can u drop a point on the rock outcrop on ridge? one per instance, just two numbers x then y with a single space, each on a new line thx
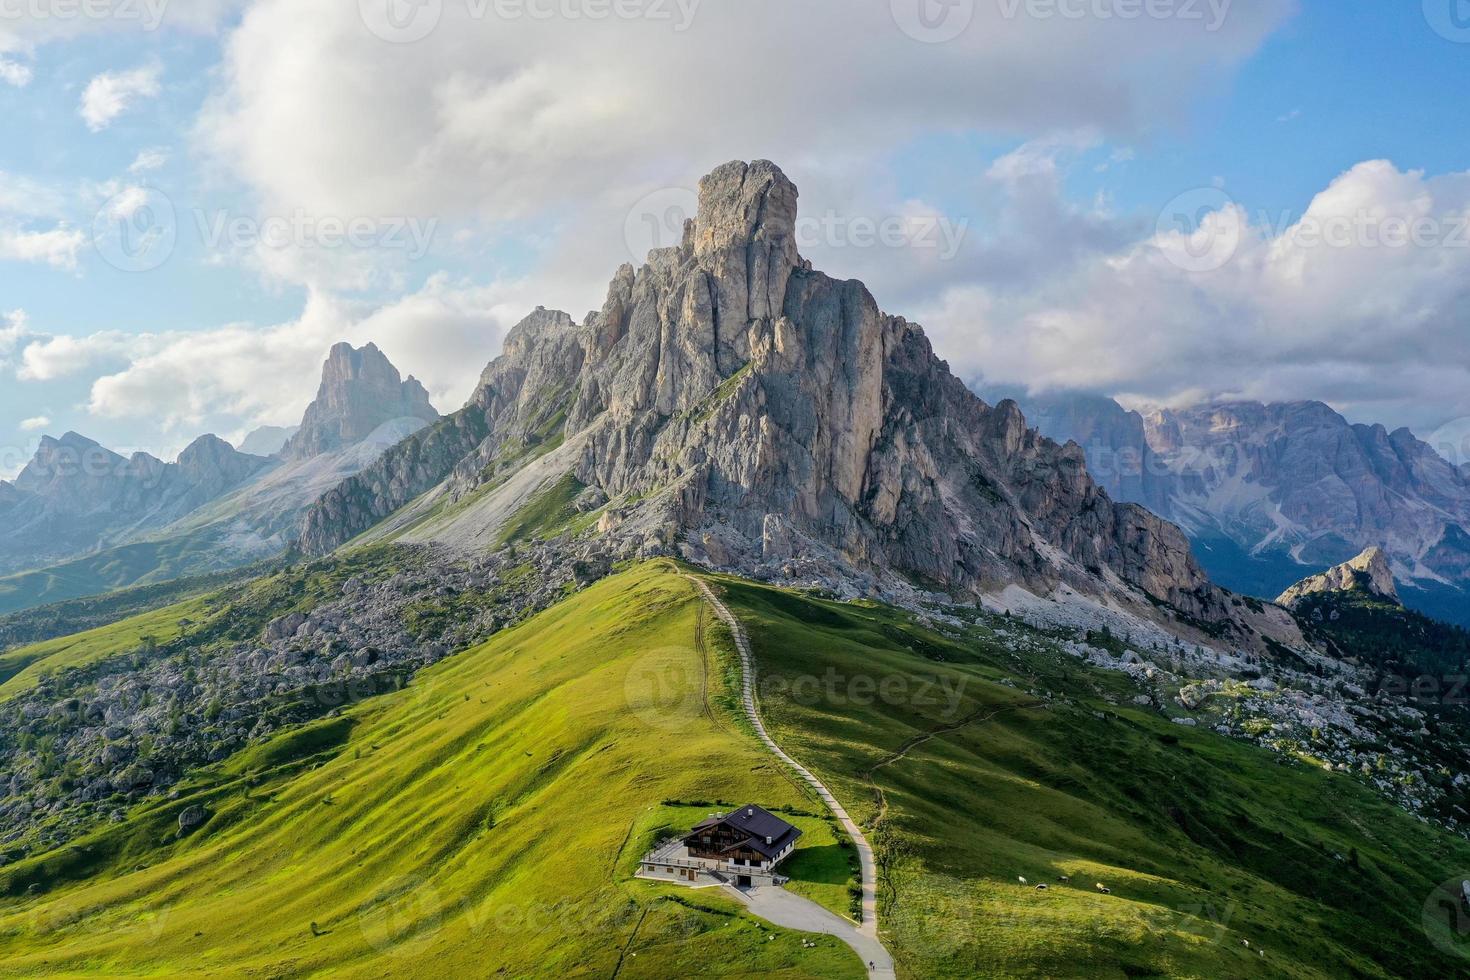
733 405
1369 574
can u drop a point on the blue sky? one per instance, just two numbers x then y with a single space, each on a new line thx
497 166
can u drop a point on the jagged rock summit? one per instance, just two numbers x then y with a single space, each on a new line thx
1368 573
734 406
361 390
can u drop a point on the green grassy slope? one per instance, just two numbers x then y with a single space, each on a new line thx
22 667
78 615
1206 844
483 822
489 818
143 563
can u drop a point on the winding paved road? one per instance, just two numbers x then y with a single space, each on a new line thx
867 943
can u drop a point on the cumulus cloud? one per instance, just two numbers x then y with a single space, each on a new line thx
110 94
34 424
57 247
14 72
244 376
537 119
60 357
1361 300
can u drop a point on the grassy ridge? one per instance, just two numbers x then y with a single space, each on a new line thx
21 668
1205 843
486 819
143 563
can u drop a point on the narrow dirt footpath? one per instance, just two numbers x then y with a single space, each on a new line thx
869 925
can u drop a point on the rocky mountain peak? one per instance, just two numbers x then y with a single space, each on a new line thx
71 459
360 391
1370 572
734 406
210 466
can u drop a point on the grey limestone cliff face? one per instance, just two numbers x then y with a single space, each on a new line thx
1300 476
734 405
1369 573
361 390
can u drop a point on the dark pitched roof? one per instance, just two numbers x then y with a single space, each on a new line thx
759 826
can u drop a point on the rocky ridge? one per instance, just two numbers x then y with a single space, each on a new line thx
1268 491
1369 573
76 497
85 743
215 509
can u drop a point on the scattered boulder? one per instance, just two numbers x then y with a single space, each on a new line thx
191 818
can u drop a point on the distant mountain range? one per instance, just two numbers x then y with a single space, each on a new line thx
80 519
75 496
1269 493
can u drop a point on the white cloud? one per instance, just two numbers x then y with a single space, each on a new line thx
14 330
63 357
57 248
30 198
533 119
1328 304
147 160
34 424
14 73
110 94
241 376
